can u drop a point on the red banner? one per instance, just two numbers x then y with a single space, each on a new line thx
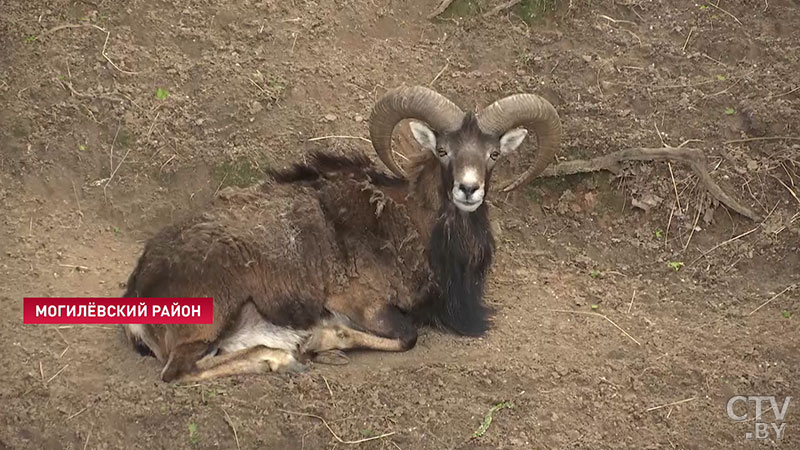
100 310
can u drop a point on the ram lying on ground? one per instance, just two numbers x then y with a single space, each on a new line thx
335 254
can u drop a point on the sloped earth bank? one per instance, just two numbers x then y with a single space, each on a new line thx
94 161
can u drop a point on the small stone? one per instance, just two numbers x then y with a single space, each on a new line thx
330 117
358 118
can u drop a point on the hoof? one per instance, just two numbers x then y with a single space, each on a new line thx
332 357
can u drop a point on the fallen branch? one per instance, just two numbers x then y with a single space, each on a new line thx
695 158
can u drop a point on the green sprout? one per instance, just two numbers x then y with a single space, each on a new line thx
162 93
676 265
487 420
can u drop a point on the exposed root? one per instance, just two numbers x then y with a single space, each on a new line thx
440 8
695 158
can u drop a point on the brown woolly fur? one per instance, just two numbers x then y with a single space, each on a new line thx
329 254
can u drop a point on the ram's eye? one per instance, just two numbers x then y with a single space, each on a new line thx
441 152
494 155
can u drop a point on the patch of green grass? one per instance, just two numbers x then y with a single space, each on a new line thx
193 433
729 111
659 233
531 10
277 84
241 173
274 89
786 314
595 274
30 39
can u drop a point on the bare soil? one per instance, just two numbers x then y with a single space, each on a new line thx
93 162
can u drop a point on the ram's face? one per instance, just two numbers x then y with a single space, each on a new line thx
467 157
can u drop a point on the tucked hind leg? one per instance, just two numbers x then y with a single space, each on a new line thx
251 360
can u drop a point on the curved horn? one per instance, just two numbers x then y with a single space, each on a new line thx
416 102
530 110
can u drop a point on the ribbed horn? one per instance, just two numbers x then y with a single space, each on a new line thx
533 112
415 102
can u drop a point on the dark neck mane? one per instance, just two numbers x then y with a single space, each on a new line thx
460 251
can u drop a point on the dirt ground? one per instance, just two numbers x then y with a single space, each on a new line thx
112 128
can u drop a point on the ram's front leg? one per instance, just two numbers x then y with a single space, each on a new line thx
377 318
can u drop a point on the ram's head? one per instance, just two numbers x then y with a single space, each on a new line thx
467 145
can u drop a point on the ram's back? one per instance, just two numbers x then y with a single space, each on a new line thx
273 247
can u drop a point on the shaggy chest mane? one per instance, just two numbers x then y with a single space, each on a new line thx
460 251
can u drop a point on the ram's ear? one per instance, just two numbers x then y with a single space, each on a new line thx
424 135
512 139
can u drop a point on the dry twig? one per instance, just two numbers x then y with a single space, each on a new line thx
114 171
597 315
632 298
86 444
723 243
791 286
765 138
669 404
446 65
55 375
613 20
322 138
330 430
229 421
726 12
89 25
74 266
